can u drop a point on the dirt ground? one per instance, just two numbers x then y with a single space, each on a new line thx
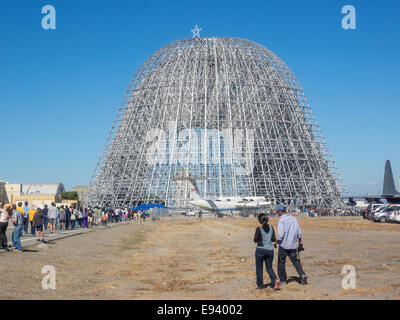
191 258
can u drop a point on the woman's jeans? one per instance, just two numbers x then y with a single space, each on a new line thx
267 256
16 236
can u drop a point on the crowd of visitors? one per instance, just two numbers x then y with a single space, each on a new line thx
55 218
322 212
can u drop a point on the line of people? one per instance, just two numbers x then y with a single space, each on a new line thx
55 218
52 218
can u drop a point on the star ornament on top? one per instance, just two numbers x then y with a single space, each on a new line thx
196 31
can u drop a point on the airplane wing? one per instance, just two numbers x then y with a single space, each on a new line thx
368 197
389 190
392 198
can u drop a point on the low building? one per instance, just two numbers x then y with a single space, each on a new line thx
82 192
35 194
38 200
12 190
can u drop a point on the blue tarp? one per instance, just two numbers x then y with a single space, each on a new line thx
149 206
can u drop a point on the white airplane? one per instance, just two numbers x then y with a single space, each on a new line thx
225 203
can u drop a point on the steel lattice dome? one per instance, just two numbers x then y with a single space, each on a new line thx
225 110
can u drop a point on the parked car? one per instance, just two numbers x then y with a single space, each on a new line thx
373 208
378 210
386 214
395 215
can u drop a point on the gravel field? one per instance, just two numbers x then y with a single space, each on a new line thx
191 258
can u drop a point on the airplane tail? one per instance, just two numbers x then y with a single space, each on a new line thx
388 182
193 190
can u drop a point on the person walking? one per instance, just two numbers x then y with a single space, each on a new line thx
116 216
108 211
45 216
31 214
112 216
76 212
288 234
38 221
104 218
5 214
265 239
20 209
67 217
98 216
85 218
90 217
62 218
73 219
18 222
80 217
53 215
26 216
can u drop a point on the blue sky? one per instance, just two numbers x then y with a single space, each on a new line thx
60 89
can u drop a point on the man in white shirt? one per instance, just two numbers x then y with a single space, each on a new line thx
53 215
288 234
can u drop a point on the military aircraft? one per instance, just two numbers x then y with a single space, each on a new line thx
389 191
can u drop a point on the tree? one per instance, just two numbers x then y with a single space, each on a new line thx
70 195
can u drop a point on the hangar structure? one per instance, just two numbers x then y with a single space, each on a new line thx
225 110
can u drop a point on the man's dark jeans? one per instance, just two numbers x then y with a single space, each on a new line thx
32 228
26 224
267 256
282 254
